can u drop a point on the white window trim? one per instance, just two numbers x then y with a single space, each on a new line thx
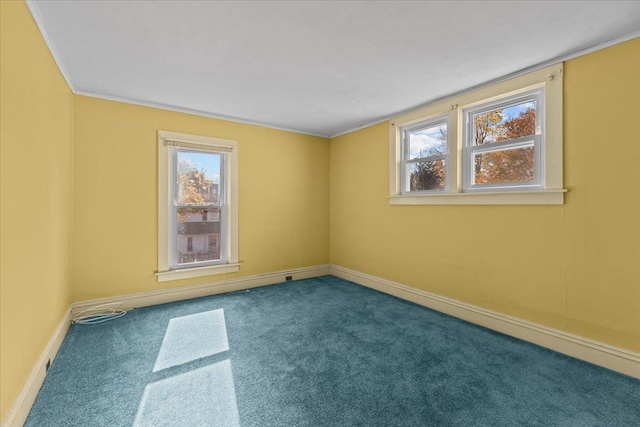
552 192
166 139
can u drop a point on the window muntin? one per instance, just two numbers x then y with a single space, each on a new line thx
425 152
503 143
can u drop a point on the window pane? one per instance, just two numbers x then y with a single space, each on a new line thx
428 141
505 123
197 178
198 235
500 167
428 175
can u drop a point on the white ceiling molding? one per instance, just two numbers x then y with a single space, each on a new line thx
193 112
35 14
317 68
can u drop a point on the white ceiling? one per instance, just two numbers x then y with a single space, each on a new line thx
321 68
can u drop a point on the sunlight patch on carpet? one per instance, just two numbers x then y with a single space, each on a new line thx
205 396
192 337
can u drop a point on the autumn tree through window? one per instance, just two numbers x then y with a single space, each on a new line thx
513 165
504 143
496 144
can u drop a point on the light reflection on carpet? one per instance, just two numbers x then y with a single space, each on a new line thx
204 396
192 337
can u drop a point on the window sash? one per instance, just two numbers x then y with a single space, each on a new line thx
534 141
174 253
470 149
222 205
536 95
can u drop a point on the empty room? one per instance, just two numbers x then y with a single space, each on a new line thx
319 213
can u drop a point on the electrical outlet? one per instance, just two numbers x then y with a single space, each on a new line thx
288 278
47 366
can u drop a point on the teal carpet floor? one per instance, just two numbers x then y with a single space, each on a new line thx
318 352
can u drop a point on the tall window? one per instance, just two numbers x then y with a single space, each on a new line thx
197 194
197 211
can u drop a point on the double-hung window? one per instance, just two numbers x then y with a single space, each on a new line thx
500 144
425 148
197 206
503 143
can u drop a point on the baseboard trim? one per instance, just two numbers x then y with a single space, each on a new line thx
162 296
21 406
591 351
604 355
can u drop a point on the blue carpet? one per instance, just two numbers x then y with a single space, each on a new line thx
318 352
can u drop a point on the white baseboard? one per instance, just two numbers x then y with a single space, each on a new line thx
604 355
162 296
610 357
21 406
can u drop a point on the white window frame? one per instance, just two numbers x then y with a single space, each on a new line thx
549 187
536 141
406 162
168 143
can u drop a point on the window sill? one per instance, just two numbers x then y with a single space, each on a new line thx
547 197
187 273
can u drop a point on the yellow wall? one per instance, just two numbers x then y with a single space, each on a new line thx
283 196
111 148
574 267
36 109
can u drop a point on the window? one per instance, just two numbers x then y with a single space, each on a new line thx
500 144
503 144
425 149
197 206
